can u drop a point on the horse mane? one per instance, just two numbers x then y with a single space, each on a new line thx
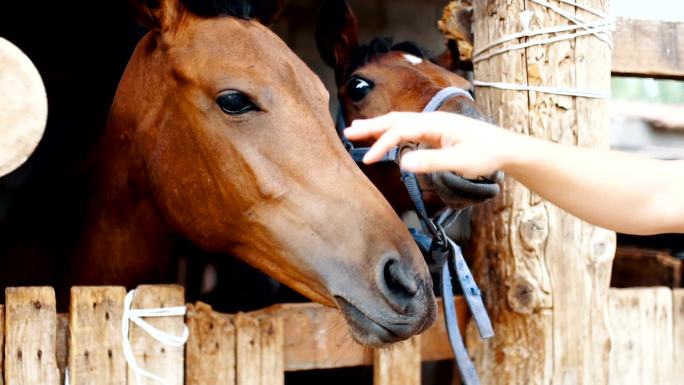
243 9
379 46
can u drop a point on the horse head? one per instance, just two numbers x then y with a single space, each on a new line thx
381 77
226 134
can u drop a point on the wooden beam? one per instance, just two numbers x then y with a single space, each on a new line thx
638 267
648 48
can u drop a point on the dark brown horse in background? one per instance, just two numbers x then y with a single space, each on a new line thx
220 135
381 77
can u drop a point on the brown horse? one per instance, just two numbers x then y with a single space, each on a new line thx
381 77
220 134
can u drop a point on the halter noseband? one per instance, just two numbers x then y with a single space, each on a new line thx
438 248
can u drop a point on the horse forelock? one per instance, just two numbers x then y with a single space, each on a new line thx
379 46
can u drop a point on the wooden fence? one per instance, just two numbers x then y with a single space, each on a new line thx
258 347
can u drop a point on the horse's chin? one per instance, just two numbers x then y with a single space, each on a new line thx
371 332
459 192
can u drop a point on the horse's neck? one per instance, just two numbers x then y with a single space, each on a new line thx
125 240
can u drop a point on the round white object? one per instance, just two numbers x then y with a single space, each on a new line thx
23 107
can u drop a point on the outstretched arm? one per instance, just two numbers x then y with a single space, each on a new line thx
618 191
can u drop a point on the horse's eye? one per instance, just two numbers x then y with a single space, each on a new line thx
358 88
235 103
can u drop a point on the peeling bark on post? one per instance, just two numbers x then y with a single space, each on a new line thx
545 273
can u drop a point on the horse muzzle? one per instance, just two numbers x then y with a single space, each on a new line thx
405 306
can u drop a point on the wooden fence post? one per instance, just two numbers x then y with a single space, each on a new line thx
210 352
2 345
95 341
399 363
259 350
30 332
545 273
678 325
151 355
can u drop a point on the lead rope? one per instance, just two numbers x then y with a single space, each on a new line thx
136 316
443 250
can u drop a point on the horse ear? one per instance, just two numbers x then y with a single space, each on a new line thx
268 11
337 34
450 58
157 15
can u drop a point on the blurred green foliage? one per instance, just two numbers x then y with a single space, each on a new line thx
648 90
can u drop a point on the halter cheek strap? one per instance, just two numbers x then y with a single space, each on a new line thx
443 95
441 249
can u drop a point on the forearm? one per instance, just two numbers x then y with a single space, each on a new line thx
614 190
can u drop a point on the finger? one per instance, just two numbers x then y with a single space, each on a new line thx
361 129
396 135
424 161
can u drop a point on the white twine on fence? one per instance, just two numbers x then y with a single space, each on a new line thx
601 29
136 316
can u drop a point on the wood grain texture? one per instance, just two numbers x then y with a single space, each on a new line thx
95 342
399 363
272 352
678 340
210 351
544 272
248 350
150 354
2 344
641 333
649 48
62 345
30 333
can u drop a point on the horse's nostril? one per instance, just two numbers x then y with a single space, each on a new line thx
399 280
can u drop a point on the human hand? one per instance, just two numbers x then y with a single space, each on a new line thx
463 145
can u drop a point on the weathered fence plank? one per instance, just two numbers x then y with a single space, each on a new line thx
259 348
248 350
398 364
641 334
210 351
2 345
62 345
272 359
678 323
151 355
95 342
30 334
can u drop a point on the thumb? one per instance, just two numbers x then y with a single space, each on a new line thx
424 161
